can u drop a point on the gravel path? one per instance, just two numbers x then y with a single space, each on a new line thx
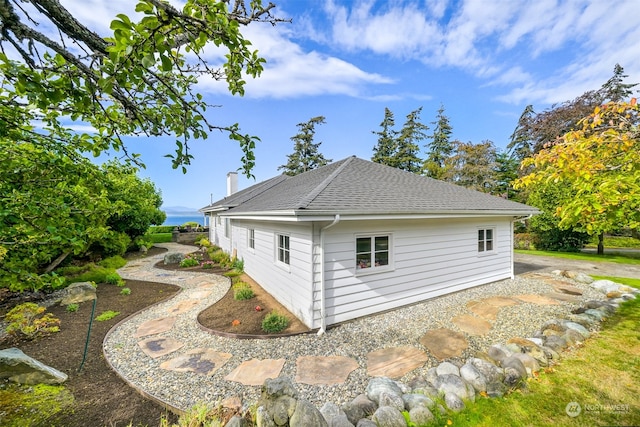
354 339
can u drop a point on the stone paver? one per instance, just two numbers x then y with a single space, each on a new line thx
159 346
537 299
324 370
472 324
394 362
563 297
500 301
256 371
567 289
444 343
199 294
183 306
484 310
155 326
204 361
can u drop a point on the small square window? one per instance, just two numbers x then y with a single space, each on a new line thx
372 252
485 240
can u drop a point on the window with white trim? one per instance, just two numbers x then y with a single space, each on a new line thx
283 249
227 227
373 252
485 240
251 238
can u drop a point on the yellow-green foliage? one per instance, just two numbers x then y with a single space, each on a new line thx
274 323
28 320
36 405
242 291
107 315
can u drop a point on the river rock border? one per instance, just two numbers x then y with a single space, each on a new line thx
450 386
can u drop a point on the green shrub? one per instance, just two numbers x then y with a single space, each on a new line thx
114 262
72 308
107 315
189 262
523 241
28 320
232 273
95 274
114 279
203 241
219 256
160 237
242 291
113 243
191 224
274 323
125 291
238 264
160 229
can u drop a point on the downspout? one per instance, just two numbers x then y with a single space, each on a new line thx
323 319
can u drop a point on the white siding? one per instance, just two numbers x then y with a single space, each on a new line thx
430 258
290 285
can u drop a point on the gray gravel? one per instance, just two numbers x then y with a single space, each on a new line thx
354 339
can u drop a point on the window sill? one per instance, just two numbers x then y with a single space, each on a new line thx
374 270
283 266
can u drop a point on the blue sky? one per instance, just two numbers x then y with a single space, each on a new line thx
483 60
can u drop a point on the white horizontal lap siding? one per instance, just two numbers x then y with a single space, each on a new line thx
430 258
290 285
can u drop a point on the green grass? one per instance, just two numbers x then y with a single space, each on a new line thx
601 376
159 237
635 283
612 242
620 258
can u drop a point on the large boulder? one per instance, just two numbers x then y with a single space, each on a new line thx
306 414
173 258
380 385
450 383
22 369
77 293
387 416
360 407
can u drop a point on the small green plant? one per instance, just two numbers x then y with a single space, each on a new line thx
189 262
203 242
274 323
125 291
238 264
107 315
207 265
242 291
28 320
114 279
72 308
113 262
232 273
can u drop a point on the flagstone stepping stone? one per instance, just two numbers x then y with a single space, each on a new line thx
199 294
256 371
394 362
183 306
500 301
481 309
204 361
537 299
329 370
562 297
155 326
567 289
444 343
159 346
472 324
206 286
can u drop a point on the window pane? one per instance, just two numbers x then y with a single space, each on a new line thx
363 260
489 245
382 243
382 258
286 257
481 246
489 234
363 244
480 235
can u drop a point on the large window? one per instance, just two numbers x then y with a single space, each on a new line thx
372 252
283 249
485 240
251 237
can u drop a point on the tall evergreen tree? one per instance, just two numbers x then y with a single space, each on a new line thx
384 152
614 89
440 148
412 132
521 144
305 156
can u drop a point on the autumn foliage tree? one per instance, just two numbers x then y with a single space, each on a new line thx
600 163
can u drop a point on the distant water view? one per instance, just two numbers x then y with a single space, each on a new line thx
181 219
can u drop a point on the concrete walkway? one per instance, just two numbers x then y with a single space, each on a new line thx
164 340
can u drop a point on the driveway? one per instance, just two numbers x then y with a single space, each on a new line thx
524 263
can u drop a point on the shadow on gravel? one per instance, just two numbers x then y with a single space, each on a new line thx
522 267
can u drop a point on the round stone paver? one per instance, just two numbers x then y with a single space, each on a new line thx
204 361
324 370
444 343
394 362
472 324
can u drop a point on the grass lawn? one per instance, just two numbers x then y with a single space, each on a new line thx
159 237
620 258
602 376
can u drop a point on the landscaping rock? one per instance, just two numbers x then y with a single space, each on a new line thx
414 400
22 369
513 377
597 315
421 416
531 365
578 328
387 416
236 421
358 408
379 385
77 293
305 415
393 400
514 362
450 383
491 372
276 387
583 278
473 376
173 258
497 354
334 416
447 368
427 390
453 402
366 423
555 343
263 418
604 286
432 374
496 389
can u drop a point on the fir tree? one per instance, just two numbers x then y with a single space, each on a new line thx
305 156
408 140
384 152
440 148
614 89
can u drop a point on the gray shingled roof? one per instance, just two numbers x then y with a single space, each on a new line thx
356 186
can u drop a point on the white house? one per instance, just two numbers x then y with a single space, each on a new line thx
354 238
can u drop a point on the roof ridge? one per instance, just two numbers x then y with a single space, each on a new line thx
306 201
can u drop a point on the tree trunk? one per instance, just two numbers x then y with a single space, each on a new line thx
601 244
57 262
